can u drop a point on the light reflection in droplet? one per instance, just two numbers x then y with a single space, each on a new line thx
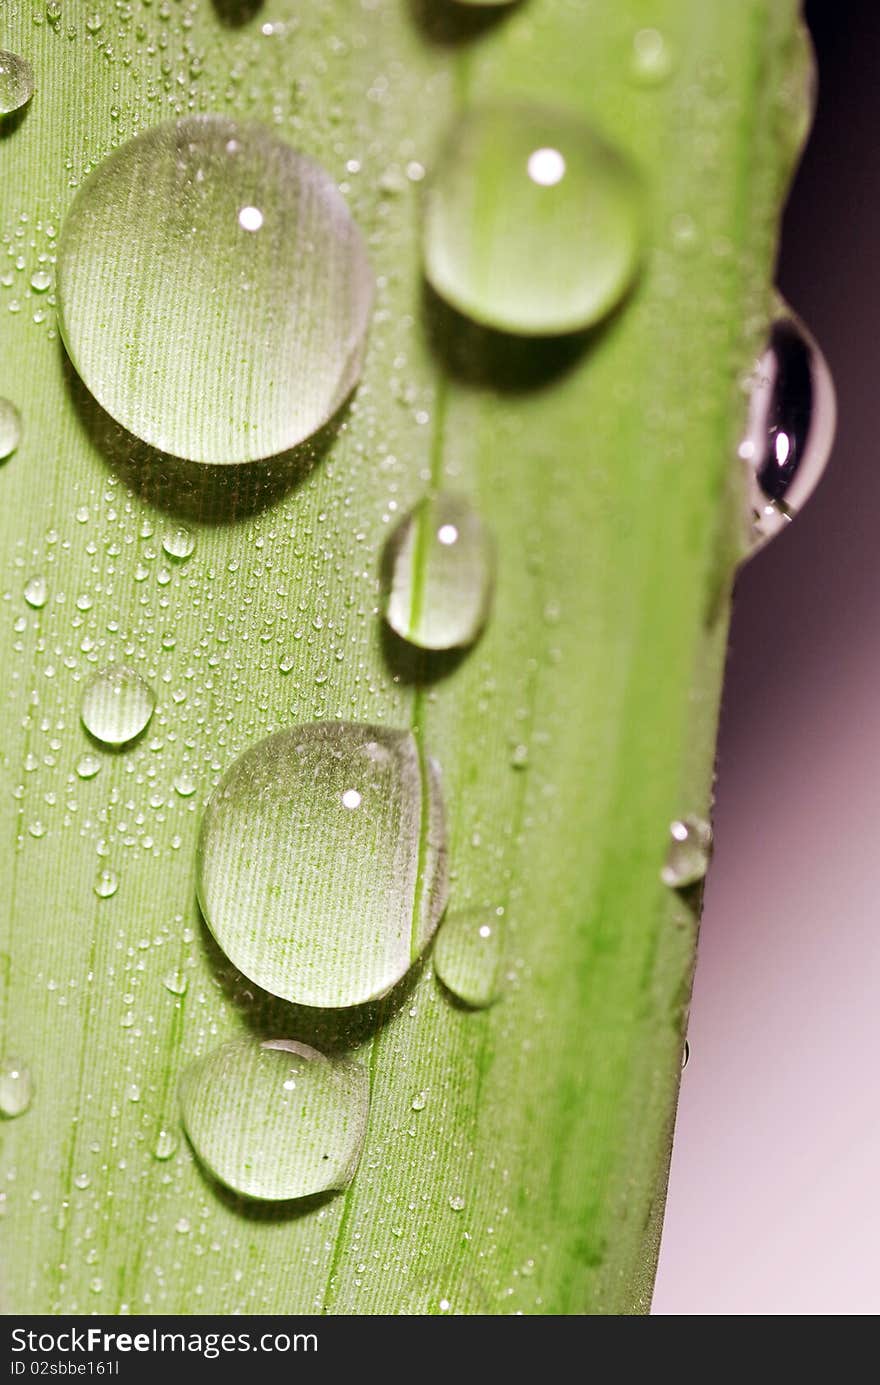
546 167
447 534
351 799
250 218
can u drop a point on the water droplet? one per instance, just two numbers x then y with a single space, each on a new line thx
790 430
438 574
687 859
10 429
185 785
106 884
179 543
457 1203
651 57
165 1146
41 280
117 705
551 241
87 766
36 592
16 1088
265 1140
175 982
81 1180
468 957
257 249
316 901
16 82
419 1101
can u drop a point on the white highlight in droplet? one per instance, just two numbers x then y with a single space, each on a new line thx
351 799
250 218
783 448
546 167
447 534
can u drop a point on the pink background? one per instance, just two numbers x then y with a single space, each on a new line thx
774 1206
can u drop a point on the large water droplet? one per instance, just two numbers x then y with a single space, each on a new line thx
438 574
276 1120
790 431
687 857
16 1088
468 957
322 861
214 292
533 222
10 429
117 705
179 543
36 592
16 82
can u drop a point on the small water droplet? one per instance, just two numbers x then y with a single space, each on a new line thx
553 243
175 982
117 705
457 1203
184 785
165 1146
16 1088
438 574
41 280
87 766
687 858
790 430
285 1146
287 281
345 899
10 429
16 82
419 1101
81 1180
651 62
179 543
182 1226
468 956
106 884
36 592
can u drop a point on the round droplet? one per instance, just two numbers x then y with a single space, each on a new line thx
214 292
319 898
16 1088
10 429
687 857
165 1146
533 223
87 766
185 785
175 982
106 884
16 82
468 957
278 1120
41 280
790 430
36 592
651 57
179 543
117 705
438 574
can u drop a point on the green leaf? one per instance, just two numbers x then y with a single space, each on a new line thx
515 1156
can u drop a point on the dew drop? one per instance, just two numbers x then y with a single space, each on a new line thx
87 766
317 901
106 884
651 61
41 280
438 574
546 243
16 1088
457 1203
175 982
264 1139
10 429
687 857
36 592
81 1181
16 82
117 706
184 785
790 430
194 235
179 543
165 1146
468 957
419 1101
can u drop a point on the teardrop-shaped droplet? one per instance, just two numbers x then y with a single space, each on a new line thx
36 592
791 423
438 574
214 292
16 1088
277 1120
16 82
688 853
322 861
10 429
468 957
117 705
533 223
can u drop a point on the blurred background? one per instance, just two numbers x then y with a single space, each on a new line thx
773 1202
